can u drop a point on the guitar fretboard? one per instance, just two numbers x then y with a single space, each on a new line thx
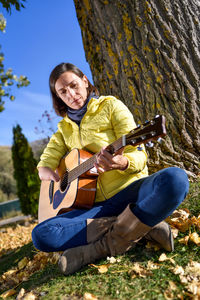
89 163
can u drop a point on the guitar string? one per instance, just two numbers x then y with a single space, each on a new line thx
86 165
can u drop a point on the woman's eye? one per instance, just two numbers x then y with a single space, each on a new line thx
74 85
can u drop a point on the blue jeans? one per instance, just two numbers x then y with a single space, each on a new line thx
154 197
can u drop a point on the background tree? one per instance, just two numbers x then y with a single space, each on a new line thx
25 173
7 78
147 53
7 182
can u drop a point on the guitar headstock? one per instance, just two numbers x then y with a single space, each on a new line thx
150 130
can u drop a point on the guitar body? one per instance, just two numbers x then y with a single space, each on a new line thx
56 197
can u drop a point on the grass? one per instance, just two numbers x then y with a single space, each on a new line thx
118 282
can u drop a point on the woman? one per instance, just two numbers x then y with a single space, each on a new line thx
129 204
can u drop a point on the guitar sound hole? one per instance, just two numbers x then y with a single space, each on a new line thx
64 182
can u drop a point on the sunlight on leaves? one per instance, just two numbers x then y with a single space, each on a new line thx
196 221
180 219
101 268
8 293
113 260
190 276
163 257
26 268
168 294
139 270
194 237
174 232
88 296
184 240
22 263
13 238
152 266
23 296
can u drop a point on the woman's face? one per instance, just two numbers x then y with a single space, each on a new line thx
72 89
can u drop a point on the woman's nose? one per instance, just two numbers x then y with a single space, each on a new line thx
70 92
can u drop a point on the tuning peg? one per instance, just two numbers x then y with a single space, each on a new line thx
159 140
150 144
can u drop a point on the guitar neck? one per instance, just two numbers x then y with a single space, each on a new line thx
89 163
150 130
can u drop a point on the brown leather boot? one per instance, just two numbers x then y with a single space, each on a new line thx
126 230
96 228
161 234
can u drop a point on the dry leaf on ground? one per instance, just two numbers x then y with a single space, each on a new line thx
139 270
101 268
88 296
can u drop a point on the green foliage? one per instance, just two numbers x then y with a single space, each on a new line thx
7 4
25 173
7 78
7 182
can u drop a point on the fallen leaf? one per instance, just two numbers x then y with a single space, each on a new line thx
163 257
178 270
152 266
138 269
8 293
184 240
172 285
30 296
181 213
168 294
175 232
194 288
22 263
21 294
88 296
101 268
194 237
153 245
182 224
111 260
180 220
54 258
196 221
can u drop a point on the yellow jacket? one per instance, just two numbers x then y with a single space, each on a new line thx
106 120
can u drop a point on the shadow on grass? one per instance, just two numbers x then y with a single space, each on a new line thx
11 259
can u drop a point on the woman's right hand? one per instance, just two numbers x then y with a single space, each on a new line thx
46 173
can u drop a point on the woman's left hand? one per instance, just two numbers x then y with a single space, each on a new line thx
106 161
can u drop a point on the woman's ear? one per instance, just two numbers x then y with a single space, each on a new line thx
85 80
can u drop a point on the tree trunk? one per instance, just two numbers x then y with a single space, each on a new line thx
147 53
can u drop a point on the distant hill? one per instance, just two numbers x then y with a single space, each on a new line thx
38 147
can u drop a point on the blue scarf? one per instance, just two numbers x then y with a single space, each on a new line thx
76 115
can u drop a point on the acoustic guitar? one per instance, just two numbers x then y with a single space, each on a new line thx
77 186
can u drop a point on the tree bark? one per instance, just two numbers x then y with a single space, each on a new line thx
147 53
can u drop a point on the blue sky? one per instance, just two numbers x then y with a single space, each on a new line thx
38 38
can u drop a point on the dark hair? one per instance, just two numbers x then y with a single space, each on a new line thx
59 106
